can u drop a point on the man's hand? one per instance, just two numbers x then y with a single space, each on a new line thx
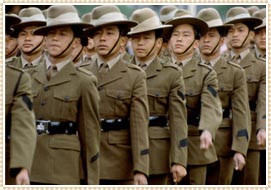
261 137
178 172
239 161
140 179
205 140
22 177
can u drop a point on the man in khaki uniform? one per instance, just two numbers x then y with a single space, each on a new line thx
66 104
232 137
31 46
167 120
239 36
123 106
204 113
11 45
20 130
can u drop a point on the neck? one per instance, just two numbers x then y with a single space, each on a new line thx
56 60
31 57
181 57
210 57
89 52
109 57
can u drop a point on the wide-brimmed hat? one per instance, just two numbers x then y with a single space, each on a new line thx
167 12
10 20
252 9
147 20
86 18
212 18
261 14
241 15
182 16
31 16
108 15
59 16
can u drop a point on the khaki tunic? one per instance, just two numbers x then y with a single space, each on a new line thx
71 95
166 97
202 102
123 94
17 62
234 132
20 121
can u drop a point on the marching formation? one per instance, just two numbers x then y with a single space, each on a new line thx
166 98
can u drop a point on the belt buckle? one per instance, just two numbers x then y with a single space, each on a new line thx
43 126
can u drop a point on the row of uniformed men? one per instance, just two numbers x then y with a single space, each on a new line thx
120 125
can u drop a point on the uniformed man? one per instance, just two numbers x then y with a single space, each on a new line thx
239 36
260 35
20 130
167 118
204 112
232 137
66 103
31 46
123 106
11 46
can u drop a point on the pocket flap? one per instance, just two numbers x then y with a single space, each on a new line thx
65 96
157 93
159 132
119 137
252 78
119 94
192 91
225 87
70 142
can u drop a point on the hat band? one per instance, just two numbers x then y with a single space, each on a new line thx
214 23
148 23
36 17
240 16
66 18
168 16
107 18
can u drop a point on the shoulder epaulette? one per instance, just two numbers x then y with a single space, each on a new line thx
133 66
83 70
205 66
169 64
261 59
15 68
234 64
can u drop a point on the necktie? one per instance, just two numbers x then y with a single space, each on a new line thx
143 65
28 65
236 59
51 72
208 63
180 64
103 68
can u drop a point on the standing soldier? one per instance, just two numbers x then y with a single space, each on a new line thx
11 46
123 106
167 120
30 45
239 37
204 113
233 135
66 106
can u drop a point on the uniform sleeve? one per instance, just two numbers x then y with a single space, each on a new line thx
177 121
89 130
261 101
211 109
139 119
23 128
241 114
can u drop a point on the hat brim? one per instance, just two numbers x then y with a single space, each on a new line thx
140 30
45 29
253 22
11 20
19 26
127 24
200 25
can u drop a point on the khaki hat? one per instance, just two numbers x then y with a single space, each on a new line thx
262 15
182 16
31 16
108 15
212 18
167 12
61 15
252 9
86 18
241 15
147 20
10 20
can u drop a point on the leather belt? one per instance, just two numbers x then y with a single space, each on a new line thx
252 105
114 124
226 113
160 121
55 127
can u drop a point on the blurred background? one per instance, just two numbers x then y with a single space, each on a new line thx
128 9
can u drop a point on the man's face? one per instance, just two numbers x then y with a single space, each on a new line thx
181 38
105 39
11 46
58 39
143 44
90 45
237 35
260 38
209 42
27 41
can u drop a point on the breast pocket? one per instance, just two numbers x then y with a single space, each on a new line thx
225 92
193 96
253 82
119 101
158 100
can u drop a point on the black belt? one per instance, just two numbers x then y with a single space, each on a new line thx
226 113
55 127
160 121
252 105
114 124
